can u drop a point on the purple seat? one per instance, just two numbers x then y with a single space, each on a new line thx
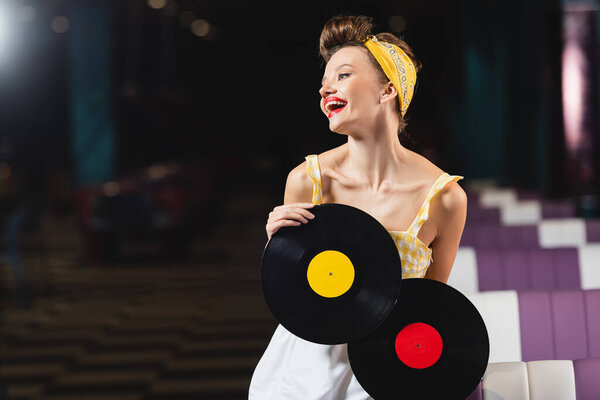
555 268
477 215
592 230
487 237
523 194
527 237
472 197
566 267
570 330
543 276
592 306
587 384
559 325
535 318
521 236
490 269
558 209
469 236
527 269
517 269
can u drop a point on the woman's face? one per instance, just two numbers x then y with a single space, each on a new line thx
351 80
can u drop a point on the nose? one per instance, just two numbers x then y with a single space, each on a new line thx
325 91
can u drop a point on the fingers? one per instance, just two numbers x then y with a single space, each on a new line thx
292 214
272 228
295 210
301 205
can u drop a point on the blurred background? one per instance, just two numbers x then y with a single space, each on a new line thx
144 142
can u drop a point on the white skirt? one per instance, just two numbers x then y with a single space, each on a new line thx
292 368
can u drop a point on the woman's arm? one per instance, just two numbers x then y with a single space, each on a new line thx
297 195
449 208
298 187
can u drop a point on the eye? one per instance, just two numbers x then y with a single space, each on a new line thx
343 74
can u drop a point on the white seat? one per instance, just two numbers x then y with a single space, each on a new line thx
561 232
497 197
551 380
500 312
521 213
463 276
589 266
533 380
506 380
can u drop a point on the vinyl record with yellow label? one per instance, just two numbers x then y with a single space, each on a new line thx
334 279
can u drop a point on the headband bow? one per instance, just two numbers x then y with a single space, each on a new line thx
397 66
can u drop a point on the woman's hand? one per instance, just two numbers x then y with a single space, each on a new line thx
288 215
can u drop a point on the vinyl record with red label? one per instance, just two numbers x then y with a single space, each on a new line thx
334 279
433 345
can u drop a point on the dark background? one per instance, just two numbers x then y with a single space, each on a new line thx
252 89
133 233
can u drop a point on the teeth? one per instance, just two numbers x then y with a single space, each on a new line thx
329 104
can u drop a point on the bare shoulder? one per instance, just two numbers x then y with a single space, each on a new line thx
298 186
452 198
329 162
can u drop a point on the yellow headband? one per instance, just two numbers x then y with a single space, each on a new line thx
397 66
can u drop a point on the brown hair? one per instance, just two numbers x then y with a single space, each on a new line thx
350 30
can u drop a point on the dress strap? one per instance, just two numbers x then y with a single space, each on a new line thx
312 168
423 214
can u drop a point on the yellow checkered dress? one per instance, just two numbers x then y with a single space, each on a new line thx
415 256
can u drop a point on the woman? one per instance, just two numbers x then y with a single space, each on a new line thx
366 89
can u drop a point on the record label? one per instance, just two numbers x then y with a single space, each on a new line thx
433 345
334 279
419 345
330 273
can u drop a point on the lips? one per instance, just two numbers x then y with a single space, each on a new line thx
331 102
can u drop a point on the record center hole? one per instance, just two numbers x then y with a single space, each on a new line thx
331 274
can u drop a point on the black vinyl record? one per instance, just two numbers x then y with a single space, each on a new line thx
334 279
433 345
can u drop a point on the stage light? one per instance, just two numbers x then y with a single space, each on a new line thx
157 172
111 189
157 4
397 23
4 33
60 24
5 171
27 14
200 27
577 73
574 87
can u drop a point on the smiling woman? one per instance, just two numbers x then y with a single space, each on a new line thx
341 32
367 87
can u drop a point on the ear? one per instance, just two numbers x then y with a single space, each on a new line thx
389 92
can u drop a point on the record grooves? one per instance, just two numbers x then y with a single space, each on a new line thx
426 367
334 279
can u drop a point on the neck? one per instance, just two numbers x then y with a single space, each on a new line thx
377 160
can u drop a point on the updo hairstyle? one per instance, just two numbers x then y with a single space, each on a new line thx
350 30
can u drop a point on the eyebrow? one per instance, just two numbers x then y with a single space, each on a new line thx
343 65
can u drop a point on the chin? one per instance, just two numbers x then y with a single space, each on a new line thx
337 129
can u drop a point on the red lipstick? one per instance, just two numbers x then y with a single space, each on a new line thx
337 99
